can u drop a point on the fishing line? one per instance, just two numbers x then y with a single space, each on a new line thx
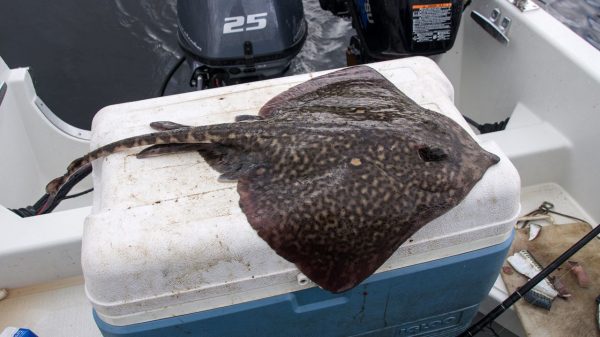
170 74
75 195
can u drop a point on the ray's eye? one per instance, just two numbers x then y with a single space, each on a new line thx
432 154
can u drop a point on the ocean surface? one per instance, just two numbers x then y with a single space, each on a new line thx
582 16
85 55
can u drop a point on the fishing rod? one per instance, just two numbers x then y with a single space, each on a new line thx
514 297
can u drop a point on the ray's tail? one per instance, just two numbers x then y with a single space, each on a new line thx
177 136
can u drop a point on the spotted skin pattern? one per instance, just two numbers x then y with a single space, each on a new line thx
335 173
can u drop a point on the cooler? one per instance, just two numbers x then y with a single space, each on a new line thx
168 252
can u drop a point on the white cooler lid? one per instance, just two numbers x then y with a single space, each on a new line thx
165 238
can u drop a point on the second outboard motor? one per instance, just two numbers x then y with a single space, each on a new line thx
388 29
236 41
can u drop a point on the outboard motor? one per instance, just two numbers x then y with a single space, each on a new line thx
236 41
388 29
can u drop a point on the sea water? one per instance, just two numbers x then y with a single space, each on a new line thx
582 16
86 55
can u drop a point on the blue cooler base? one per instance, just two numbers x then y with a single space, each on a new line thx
437 298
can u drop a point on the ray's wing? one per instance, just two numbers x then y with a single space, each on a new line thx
328 226
356 93
342 208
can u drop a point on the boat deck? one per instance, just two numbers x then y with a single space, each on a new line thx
61 308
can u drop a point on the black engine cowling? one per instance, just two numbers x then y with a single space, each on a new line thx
388 29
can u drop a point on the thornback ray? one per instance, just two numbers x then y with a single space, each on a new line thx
335 173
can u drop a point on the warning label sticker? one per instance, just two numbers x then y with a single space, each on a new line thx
431 22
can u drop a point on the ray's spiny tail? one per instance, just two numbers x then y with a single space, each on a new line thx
183 135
